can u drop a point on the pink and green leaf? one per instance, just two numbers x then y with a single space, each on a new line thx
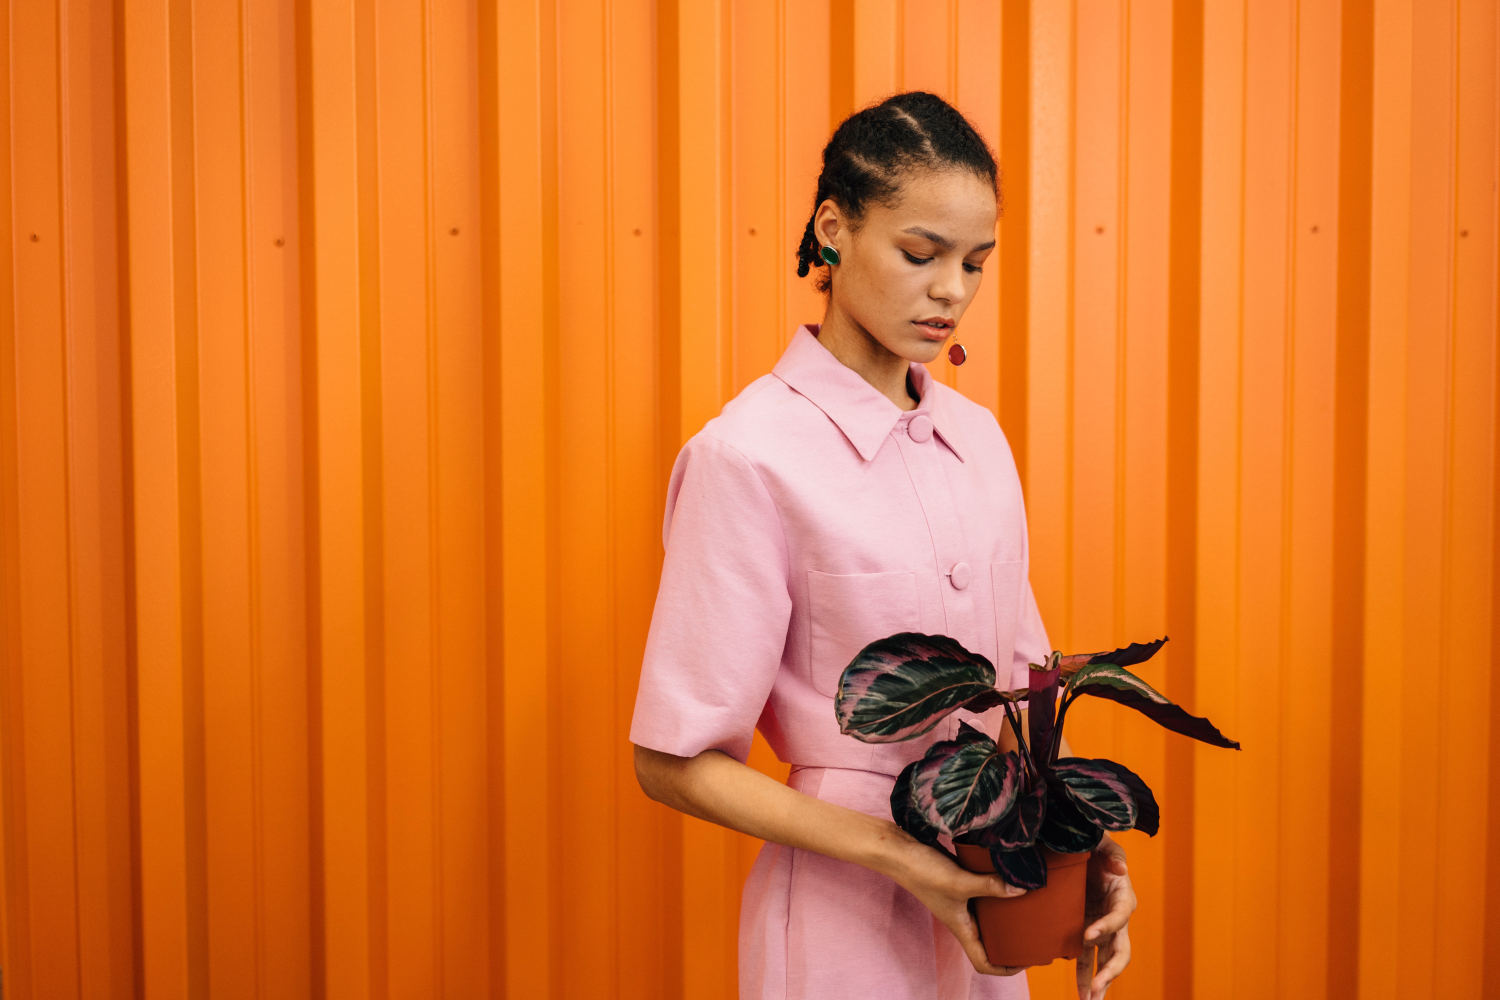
1024 824
1098 793
966 784
1113 682
1147 812
1065 829
908 817
900 687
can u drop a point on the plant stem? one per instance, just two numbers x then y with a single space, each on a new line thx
1062 713
1014 718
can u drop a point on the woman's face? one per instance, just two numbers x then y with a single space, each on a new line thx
907 274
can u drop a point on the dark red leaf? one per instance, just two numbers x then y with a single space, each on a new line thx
1163 713
1042 708
1129 656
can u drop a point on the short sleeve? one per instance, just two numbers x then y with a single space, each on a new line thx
722 609
1032 645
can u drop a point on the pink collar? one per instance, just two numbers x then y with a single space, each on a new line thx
858 409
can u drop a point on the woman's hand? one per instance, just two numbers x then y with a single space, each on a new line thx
1109 902
945 889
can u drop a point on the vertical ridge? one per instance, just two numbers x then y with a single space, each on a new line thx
492 511
432 412
1182 482
1015 236
70 541
669 401
310 505
371 442
1350 434
252 506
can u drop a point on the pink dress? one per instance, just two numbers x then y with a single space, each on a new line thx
808 519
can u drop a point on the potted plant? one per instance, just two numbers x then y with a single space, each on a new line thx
1029 814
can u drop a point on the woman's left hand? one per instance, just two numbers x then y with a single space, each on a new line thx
1110 902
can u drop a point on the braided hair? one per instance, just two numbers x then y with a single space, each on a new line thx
872 149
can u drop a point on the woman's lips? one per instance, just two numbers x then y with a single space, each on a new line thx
934 329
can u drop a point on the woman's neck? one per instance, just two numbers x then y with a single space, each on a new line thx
874 363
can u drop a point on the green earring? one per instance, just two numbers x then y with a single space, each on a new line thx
829 254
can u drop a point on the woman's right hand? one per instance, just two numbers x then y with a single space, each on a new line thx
945 889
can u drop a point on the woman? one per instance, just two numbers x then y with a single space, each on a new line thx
840 499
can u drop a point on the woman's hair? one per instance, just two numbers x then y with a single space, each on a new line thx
870 152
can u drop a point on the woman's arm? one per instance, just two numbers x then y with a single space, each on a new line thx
715 787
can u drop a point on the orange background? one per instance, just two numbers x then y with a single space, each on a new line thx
346 346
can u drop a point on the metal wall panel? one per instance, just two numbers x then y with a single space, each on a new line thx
346 346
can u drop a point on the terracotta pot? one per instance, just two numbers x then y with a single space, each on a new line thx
1043 925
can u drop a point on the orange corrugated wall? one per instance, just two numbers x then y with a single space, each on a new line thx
346 345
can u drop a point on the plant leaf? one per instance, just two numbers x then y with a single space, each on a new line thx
993 699
1148 813
900 687
1114 682
968 734
1098 792
1024 867
908 817
1024 824
1129 656
959 786
1065 829
1042 706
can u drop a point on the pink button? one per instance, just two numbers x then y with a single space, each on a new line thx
959 575
920 428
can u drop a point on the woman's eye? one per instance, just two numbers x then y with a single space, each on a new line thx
973 268
915 259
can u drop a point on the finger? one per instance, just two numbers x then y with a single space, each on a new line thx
1112 965
974 949
1086 973
967 933
990 885
1111 923
1114 854
1121 906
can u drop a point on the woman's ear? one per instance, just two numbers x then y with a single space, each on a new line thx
828 224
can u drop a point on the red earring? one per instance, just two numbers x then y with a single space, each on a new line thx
956 354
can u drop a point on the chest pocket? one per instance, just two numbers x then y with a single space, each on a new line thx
1006 580
847 613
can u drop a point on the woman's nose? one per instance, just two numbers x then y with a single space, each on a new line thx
949 286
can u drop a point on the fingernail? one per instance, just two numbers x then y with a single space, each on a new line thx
1015 890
